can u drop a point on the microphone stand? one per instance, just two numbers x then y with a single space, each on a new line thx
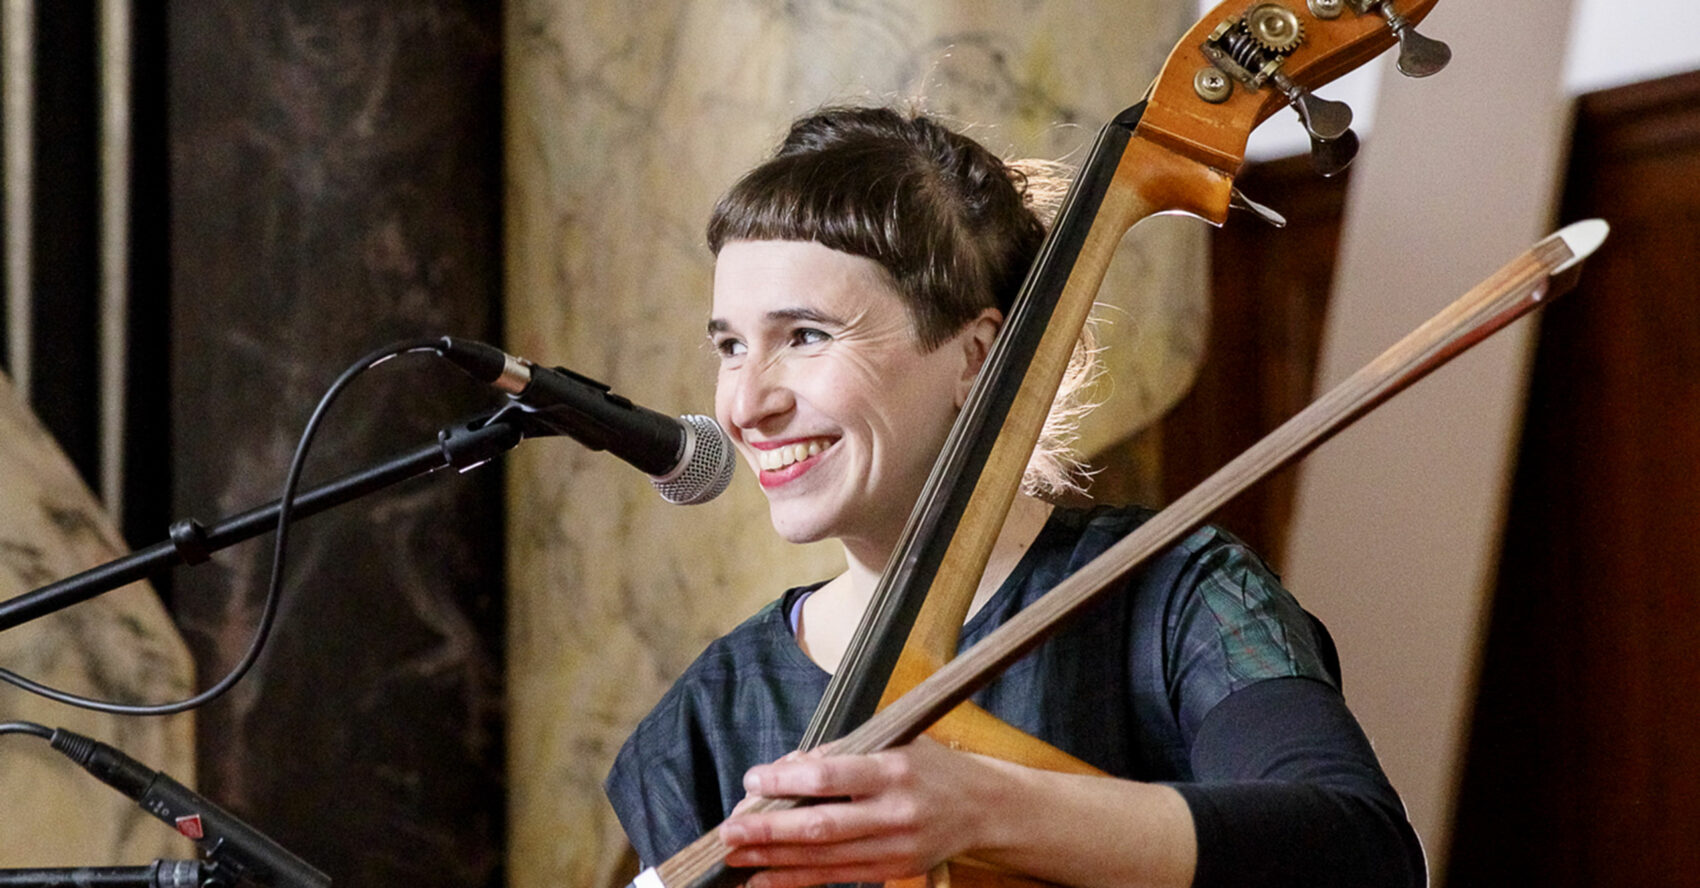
463 445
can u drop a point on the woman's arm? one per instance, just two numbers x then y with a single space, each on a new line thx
1287 792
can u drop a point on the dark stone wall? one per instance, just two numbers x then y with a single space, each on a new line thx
335 185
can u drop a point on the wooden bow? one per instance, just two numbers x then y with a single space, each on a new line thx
1530 280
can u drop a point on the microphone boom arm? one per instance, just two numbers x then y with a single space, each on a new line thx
462 445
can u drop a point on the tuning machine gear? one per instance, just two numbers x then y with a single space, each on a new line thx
1251 49
1275 27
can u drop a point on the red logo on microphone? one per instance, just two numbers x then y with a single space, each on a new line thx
191 827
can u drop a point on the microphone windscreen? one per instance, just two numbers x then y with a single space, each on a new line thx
705 468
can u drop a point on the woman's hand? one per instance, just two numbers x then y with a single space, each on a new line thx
890 815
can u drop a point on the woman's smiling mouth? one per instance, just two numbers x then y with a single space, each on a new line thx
786 454
782 462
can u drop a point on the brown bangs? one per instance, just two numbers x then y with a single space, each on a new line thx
884 199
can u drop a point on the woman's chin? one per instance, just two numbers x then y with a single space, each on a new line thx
803 520
799 532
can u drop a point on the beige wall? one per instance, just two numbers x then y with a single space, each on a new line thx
1396 532
624 127
120 646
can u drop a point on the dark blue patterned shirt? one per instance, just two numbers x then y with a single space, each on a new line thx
1202 671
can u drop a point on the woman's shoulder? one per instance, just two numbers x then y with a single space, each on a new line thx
1207 563
1074 536
1086 532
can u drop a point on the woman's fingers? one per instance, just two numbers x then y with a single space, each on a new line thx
873 858
818 776
822 824
902 850
873 817
744 804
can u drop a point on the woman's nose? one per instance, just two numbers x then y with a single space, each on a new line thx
759 395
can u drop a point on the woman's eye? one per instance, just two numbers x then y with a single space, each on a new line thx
729 348
808 336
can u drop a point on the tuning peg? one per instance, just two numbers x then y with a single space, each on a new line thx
1322 118
1238 201
1332 142
1330 157
1419 56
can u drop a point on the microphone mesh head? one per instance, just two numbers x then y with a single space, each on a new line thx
704 469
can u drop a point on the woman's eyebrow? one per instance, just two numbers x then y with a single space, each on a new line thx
805 313
799 313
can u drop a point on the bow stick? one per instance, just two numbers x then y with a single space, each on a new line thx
1548 269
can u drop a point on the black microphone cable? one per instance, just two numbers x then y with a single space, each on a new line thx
268 612
706 472
234 850
31 728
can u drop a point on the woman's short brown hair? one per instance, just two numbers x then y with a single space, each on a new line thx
937 210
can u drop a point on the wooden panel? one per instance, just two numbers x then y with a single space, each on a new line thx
1581 769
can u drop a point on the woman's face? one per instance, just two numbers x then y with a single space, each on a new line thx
826 391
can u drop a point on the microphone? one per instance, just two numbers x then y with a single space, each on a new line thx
224 839
688 459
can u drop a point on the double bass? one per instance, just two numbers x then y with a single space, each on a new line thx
1176 152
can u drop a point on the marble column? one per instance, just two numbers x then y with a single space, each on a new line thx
624 124
120 646
335 170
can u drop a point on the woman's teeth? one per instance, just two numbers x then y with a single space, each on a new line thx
780 457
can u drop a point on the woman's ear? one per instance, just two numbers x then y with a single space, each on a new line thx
976 340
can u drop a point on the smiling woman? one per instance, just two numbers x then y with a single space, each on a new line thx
862 276
826 389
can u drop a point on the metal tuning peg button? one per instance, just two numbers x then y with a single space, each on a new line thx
1419 56
1330 157
1237 200
1333 145
1323 119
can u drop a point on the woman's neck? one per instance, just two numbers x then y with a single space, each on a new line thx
830 616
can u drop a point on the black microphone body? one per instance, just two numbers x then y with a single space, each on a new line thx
594 416
689 459
223 837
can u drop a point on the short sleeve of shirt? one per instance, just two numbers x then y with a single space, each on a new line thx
1231 624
